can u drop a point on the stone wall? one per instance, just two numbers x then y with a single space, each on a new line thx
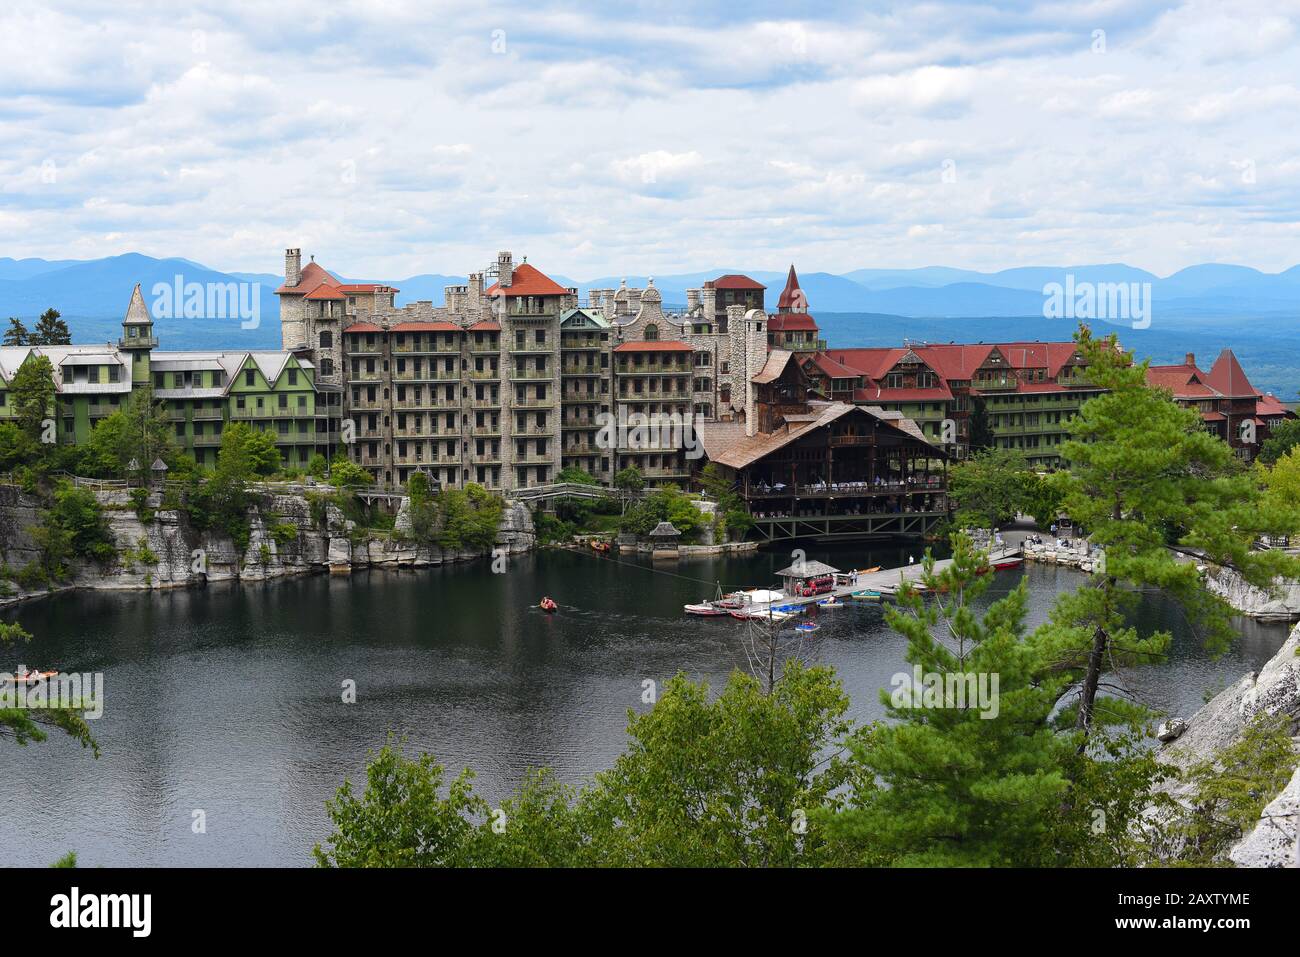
165 552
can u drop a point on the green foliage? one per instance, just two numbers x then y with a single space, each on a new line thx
33 393
247 451
284 534
16 447
667 504
708 782
1231 790
980 429
28 724
629 480
137 432
1144 474
991 488
16 334
141 554
573 474
73 526
551 529
344 473
1282 439
733 513
50 330
67 860
318 466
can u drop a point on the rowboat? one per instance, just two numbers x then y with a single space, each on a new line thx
1002 563
30 677
806 627
832 602
759 614
705 610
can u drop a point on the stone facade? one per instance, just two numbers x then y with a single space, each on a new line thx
509 379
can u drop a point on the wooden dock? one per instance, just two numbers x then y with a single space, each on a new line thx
887 582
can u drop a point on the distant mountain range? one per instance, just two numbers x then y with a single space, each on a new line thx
1223 303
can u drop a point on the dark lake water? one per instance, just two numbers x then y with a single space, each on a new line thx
229 699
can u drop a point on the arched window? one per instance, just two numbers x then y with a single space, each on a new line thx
327 340
651 333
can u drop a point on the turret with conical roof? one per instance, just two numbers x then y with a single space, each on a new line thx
137 336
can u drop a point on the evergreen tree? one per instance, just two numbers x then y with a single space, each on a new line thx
980 433
33 396
16 334
972 771
51 330
1144 475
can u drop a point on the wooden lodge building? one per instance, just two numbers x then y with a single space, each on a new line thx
811 468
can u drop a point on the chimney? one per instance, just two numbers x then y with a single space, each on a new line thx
475 303
505 268
1191 359
692 300
292 267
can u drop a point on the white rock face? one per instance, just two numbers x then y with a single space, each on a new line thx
1273 841
1281 603
166 553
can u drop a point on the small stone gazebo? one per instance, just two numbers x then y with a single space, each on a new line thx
800 572
664 540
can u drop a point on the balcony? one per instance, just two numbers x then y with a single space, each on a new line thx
481 374
492 402
571 424
138 342
427 375
483 347
534 403
581 369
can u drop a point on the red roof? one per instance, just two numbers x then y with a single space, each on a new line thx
791 287
366 287
312 276
484 325
791 322
1272 405
439 326
875 393
527 281
1229 378
736 281
830 367
325 291
1213 416
664 346
362 327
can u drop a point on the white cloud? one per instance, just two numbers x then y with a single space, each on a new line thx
405 137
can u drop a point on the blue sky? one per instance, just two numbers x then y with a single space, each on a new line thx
394 137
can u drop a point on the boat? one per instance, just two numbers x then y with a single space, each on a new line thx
599 546
865 595
1003 563
548 606
807 627
30 677
832 602
705 609
760 614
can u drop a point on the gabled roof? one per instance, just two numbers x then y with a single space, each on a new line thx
1228 378
736 281
527 280
484 325
833 369
362 327
311 276
807 569
578 315
772 369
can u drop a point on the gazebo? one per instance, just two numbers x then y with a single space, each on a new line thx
665 539
794 577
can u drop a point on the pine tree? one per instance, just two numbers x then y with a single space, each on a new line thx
1145 478
975 778
51 330
16 334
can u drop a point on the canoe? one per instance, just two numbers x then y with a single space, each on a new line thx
1008 563
866 595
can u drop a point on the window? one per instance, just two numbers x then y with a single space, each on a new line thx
160 380
293 377
327 367
327 340
114 373
651 333
250 377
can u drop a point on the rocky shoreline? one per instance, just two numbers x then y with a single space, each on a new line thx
164 552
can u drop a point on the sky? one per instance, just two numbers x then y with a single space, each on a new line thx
393 138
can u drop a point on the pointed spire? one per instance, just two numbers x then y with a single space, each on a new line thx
137 313
792 295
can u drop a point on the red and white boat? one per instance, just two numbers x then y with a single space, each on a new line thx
1012 562
705 609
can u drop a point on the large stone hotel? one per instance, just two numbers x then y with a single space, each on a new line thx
512 378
